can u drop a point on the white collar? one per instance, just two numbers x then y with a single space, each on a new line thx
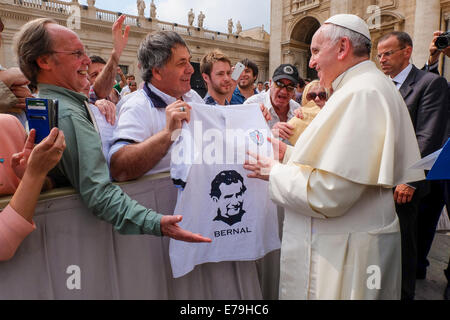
401 77
164 96
338 80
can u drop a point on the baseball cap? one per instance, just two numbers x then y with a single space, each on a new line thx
286 71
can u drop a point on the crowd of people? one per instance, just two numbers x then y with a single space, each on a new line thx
339 210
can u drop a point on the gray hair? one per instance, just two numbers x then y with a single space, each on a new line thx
361 45
155 51
32 41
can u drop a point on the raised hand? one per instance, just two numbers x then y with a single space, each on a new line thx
19 160
120 38
176 113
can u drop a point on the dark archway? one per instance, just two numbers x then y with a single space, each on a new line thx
302 33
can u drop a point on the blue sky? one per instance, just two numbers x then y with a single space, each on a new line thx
251 13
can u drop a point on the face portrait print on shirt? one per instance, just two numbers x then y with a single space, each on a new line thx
227 190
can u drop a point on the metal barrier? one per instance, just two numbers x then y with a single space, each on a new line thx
74 255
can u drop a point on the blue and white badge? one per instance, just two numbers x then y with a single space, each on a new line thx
257 137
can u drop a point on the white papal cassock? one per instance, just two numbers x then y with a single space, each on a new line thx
341 236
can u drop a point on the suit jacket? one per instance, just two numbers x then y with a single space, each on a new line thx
434 69
426 96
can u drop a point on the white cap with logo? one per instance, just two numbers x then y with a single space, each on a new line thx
351 22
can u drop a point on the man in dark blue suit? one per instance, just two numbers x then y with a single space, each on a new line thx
426 96
431 206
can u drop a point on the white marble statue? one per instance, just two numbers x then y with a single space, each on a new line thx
191 17
238 27
141 7
201 18
152 10
230 26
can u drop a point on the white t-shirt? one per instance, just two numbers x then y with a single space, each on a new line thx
124 90
139 120
264 98
105 129
219 200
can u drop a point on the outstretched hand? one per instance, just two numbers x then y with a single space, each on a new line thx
171 229
259 165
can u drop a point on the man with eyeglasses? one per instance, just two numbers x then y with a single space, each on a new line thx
54 58
279 100
341 235
425 95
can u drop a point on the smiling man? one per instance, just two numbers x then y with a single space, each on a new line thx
246 83
227 191
279 100
341 235
54 57
216 72
149 118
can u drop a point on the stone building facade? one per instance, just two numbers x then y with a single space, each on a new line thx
94 28
294 22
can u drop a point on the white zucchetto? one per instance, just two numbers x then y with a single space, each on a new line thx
351 22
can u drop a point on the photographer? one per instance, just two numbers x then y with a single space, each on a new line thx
431 205
432 63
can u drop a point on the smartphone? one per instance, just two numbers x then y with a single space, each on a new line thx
238 69
42 115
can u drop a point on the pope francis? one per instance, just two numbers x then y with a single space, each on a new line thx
341 236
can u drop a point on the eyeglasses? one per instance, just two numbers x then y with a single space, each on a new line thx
281 85
77 53
312 95
389 53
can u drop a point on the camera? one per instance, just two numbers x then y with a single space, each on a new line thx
443 41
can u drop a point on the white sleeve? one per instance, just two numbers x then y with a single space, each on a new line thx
332 195
312 192
256 98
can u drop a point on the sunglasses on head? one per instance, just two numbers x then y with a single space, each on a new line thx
312 95
281 85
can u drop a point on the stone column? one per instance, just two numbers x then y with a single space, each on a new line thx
276 32
427 17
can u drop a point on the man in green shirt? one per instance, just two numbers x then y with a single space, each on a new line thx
53 57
